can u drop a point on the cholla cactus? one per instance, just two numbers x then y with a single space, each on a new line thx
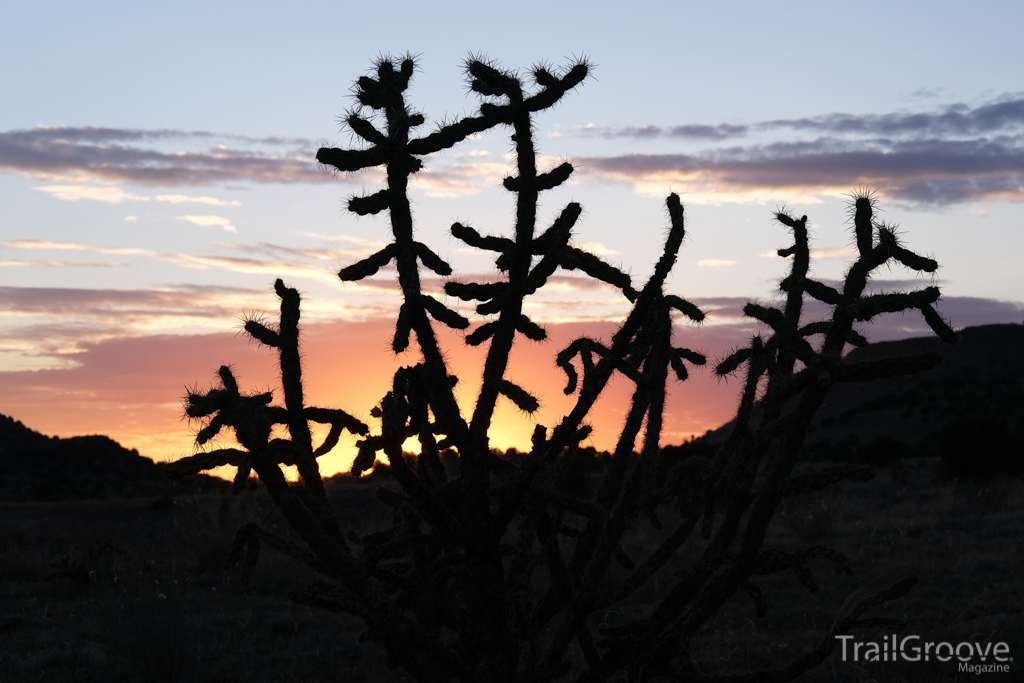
501 571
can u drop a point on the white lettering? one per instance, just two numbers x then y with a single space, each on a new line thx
909 649
844 639
916 649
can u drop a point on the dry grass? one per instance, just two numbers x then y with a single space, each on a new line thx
960 538
134 590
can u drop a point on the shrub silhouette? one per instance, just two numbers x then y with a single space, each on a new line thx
505 571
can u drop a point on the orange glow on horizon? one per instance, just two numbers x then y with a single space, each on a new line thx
130 389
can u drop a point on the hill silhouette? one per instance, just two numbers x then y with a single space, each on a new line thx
35 467
969 408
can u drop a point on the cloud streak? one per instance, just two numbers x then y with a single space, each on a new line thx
997 117
33 263
276 268
156 158
957 154
210 221
72 246
203 302
927 172
49 327
147 158
115 195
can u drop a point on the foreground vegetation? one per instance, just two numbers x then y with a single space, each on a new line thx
515 570
134 590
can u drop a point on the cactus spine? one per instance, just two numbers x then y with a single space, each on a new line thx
499 571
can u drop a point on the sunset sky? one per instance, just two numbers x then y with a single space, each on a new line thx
157 173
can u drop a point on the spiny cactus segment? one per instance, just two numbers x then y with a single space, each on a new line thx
501 568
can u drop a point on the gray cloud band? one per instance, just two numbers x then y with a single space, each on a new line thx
928 171
116 155
955 154
98 135
918 157
1003 114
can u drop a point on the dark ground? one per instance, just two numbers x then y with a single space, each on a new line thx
134 590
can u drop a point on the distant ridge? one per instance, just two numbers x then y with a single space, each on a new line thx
34 467
980 379
974 397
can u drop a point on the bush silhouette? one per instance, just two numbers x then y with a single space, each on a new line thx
506 569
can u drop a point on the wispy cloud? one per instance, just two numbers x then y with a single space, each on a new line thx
999 116
1003 114
100 135
156 158
188 199
688 132
202 302
930 172
47 327
275 267
104 193
72 246
955 154
361 241
834 253
458 179
29 263
313 253
256 266
111 194
211 221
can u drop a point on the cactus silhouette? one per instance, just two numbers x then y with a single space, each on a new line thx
504 570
